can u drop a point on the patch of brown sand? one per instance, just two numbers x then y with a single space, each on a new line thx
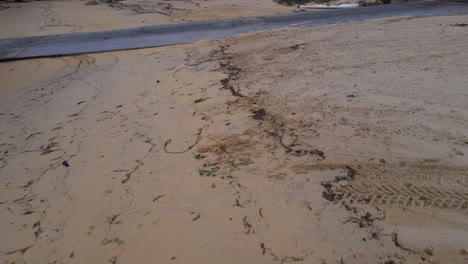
340 144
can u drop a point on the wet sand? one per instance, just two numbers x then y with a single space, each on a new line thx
37 18
59 17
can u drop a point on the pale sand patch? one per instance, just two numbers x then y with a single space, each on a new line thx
381 105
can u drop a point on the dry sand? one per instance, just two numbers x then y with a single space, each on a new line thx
340 144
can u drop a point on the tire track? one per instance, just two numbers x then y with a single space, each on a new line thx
413 185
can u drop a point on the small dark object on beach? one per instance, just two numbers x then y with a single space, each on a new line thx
300 2
65 163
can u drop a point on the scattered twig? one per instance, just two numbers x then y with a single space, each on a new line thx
25 197
248 227
189 148
33 134
196 217
29 183
39 229
238 203
157 198
173 74
129 175
21 250
398 245
262 246
199 100
112 220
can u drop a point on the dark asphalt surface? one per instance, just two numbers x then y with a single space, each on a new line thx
163 35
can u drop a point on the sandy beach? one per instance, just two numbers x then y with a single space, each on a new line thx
37 18
337 144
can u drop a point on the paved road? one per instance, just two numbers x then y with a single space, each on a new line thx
163 35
